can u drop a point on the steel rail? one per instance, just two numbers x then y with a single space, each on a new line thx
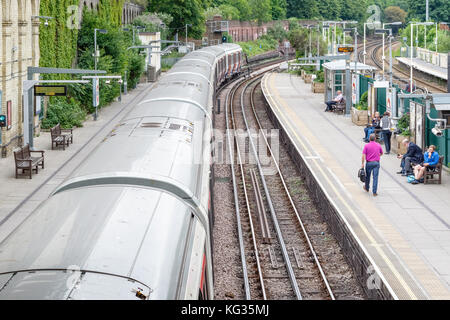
241 165
305 233
285 253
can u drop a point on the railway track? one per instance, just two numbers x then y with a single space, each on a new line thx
278 259
373 48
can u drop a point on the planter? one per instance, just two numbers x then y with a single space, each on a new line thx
303 74
318 87
396 143
360 117
308 78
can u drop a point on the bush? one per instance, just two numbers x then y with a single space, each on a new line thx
363 102
67 112
403 125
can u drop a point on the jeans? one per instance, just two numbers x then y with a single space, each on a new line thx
406 165
329 105
386 136
375 168
368 131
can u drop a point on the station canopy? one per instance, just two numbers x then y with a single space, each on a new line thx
340 65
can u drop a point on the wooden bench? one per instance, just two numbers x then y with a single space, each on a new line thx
340 106
61 136
27 163
429 175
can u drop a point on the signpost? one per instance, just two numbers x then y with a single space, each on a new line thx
95 95
50 91
346 49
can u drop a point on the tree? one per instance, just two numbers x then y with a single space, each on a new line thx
395 14
229 12
299 39
278 9
183 12
439 10
243 7
277 32
303 9
211 12
261 10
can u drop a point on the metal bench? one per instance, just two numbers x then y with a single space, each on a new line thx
27 163
61 136
429 175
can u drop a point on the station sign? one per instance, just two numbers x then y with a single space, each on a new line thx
50 91
95 92
345 49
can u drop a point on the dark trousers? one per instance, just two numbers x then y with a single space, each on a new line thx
367 132
374 167
330 105
386 135
406 165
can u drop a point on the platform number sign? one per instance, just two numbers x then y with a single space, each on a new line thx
96 92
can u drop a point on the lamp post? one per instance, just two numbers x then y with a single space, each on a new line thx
96 53
355 33
365 52
384 25
411 51
187 25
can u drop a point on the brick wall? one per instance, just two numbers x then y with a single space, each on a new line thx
19 49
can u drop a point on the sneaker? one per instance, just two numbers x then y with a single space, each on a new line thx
387 153
375 194
364 187
415 182
400 172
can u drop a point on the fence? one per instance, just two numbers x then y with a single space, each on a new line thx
438 59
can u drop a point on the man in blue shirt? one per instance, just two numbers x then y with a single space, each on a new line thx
430 160
412 155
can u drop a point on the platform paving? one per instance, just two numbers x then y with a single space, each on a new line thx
19 197
426 67
406 228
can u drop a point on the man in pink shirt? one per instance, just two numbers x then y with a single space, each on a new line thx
371 156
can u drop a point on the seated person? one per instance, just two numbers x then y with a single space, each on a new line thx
430 160
335 101
376 121
412 155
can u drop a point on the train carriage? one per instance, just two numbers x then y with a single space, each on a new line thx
133 221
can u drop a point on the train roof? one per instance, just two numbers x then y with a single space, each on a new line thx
119 238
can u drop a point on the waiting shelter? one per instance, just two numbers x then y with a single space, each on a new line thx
334 73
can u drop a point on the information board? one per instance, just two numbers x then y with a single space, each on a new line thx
345 49
50 91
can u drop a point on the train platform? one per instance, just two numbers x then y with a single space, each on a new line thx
425 67
19 197
405 230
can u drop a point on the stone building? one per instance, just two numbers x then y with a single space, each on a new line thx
19 49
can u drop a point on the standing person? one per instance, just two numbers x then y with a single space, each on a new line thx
335 101
371 157
413 155
386 131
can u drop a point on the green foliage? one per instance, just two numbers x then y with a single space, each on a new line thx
320 76
263 44
277 32
261 10
363 102
394 13
67 112
211 12
151 23
229 12
183 12
57 42
443 38
403 125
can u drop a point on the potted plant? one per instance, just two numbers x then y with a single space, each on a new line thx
401 134
360 112
318 85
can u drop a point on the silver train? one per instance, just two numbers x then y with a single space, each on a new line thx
133 220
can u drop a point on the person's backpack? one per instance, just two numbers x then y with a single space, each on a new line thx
362 175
